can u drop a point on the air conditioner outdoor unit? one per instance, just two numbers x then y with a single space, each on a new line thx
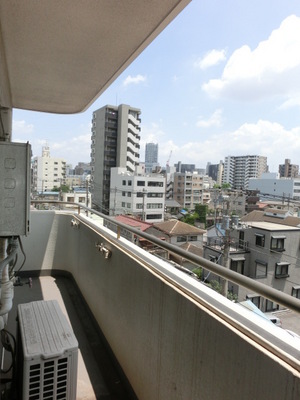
49 352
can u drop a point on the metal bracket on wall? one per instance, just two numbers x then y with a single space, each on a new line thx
75 223
103 250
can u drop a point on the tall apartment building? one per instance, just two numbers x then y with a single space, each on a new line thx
191 189
239 169
288 170
215 171
115 143
138 194
47 172
151 156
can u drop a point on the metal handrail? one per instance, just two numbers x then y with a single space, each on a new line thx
266 291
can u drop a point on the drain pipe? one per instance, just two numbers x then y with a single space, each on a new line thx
7 287
5 135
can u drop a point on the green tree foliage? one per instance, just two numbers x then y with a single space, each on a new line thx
226 186
201 210
215 285
198 271
63 188
190 219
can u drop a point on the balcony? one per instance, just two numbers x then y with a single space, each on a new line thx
164 328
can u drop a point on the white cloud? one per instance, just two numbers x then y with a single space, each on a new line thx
134 80
292 102
263 138
272 68
210 59
22 128
214 120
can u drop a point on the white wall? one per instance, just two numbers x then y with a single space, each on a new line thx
173 341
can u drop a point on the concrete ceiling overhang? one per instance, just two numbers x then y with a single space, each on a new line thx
58 56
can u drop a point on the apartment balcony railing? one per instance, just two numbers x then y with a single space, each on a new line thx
173 337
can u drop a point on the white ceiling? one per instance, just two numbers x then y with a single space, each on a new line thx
60 55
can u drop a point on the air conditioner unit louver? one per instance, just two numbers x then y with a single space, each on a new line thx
49 352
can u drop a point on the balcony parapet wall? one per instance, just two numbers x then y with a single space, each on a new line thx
173 337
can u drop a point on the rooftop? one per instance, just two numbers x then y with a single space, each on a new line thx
175 227
270 226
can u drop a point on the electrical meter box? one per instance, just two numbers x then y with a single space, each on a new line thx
14 188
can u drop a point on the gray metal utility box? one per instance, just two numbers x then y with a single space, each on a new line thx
14 188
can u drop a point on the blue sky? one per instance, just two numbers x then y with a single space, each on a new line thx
222 79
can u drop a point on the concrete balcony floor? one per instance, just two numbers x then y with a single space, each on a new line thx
99 377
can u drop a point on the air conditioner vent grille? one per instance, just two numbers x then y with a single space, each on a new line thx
50 352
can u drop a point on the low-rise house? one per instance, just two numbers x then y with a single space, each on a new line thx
264 247
178 232
182 261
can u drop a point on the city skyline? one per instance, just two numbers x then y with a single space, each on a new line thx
221 79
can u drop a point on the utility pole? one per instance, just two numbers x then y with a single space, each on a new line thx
144 194
226 252
87 180
115 201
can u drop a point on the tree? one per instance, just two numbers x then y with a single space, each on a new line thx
201 211
226 186
190 219
65 188
62 188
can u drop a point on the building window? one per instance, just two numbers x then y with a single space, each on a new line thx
261 269
123 194
139 206
192 238
296 291
277 243
140 183
255 299
259 240
154 194
282 270
123 204
129 183
128 205
128 194
157 184
237 265
123 182
154 205
181 239
139 194
271 306
154 216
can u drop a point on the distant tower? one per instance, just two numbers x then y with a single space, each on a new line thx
288 170
115 143
151 157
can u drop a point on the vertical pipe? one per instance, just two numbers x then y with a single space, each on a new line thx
5 135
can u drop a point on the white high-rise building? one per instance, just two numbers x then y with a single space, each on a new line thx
47 172
138 194
115 143
239 169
